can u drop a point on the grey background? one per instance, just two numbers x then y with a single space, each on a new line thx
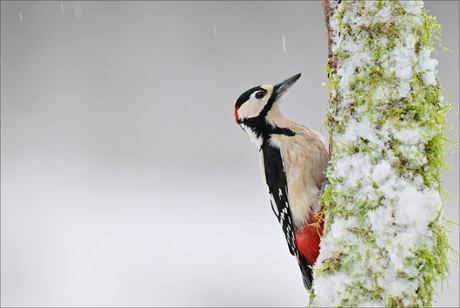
125 180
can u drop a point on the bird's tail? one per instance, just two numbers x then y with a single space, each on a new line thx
305 269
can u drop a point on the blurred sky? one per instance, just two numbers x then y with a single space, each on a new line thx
124 178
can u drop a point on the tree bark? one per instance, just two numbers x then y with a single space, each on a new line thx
328 10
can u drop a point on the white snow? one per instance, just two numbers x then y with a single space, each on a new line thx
327 290
427 66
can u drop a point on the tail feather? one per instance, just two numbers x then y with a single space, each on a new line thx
307 272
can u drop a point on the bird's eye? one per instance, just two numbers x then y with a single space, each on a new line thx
260 94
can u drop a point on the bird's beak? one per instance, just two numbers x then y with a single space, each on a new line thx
281 88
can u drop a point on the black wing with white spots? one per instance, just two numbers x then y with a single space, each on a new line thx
277 184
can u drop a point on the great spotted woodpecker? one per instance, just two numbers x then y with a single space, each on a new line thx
292 162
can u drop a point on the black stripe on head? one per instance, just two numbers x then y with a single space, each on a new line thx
268 106
245 96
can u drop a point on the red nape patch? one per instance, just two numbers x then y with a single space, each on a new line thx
308 238
236 114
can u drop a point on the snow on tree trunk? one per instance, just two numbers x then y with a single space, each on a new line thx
384 242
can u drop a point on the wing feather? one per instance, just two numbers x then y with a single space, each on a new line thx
275 176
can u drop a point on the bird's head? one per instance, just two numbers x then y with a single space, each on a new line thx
253 105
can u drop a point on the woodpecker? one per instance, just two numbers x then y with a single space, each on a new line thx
292 163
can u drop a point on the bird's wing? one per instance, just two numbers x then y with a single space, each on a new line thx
275 177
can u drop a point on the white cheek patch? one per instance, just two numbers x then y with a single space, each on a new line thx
254 106
250 109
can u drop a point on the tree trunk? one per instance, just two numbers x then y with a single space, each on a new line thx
384 241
